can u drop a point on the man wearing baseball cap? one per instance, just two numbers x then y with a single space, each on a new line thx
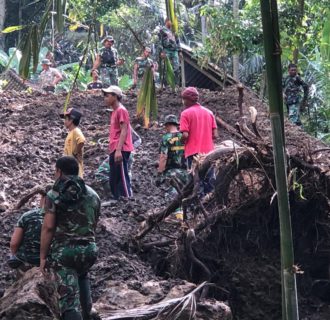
198 127
120 143
140 66
49 77
108 60
75 140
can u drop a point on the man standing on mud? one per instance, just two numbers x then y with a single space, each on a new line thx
199 129
108 60
72 210
49 77
292 86
120 143
169 46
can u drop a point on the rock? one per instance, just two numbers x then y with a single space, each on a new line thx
31 297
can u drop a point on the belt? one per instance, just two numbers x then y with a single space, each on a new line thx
108 66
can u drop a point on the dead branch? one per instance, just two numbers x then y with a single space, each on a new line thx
240 89
253 112
155 219
190 240
31 194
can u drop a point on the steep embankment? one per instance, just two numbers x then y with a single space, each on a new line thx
241 251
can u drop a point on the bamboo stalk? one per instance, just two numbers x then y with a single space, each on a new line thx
274 79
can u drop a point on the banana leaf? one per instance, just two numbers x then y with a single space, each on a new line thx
170 76
325 43
35 48
147 101
12 29
24 64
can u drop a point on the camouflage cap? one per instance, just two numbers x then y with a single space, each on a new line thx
147 49
46 61
108 38
171 118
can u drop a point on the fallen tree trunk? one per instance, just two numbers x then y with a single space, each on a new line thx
154 219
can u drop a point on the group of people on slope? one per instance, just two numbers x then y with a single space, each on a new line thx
60 234
105 67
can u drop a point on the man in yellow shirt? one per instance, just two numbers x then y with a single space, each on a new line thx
75 140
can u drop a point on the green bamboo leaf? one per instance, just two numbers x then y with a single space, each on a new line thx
35 46
24 64
147 101
12 29
170 76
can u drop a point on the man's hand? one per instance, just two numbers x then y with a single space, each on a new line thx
118 156
43 263
120 62
163 55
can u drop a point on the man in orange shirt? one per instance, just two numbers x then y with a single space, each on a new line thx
75 140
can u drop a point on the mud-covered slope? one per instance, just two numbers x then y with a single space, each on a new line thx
32 137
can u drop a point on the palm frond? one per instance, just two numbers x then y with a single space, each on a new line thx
171 309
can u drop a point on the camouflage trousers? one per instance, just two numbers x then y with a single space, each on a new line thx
180 175
294 113
109 76
173 55
71 263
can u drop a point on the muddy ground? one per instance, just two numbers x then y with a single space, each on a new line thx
242 251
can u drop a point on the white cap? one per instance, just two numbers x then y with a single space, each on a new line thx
114 89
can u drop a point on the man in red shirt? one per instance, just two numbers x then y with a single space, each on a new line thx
199 129
120 143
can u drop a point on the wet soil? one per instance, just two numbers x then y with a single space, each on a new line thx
241 251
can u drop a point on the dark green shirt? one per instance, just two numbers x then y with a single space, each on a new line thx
292 87
30 222
173 147
143 63
77 210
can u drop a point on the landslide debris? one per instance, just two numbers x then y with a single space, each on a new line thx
242 257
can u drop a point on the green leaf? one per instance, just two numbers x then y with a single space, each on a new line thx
12 29
4 59
170 76
24 64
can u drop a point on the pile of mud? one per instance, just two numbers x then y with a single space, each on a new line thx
246 266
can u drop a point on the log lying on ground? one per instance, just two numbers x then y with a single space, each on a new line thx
31 297
154 219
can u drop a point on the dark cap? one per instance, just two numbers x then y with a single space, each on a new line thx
72 113
171 118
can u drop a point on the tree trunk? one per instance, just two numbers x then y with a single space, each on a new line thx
236 55
2 22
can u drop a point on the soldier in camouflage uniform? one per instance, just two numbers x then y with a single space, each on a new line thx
292 86
169 45
107 59
171 158
25 240
140 65
72 210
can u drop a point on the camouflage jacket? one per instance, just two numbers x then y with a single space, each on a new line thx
77 210
30 222
143 63
173 147
292 89
109 57
167 40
